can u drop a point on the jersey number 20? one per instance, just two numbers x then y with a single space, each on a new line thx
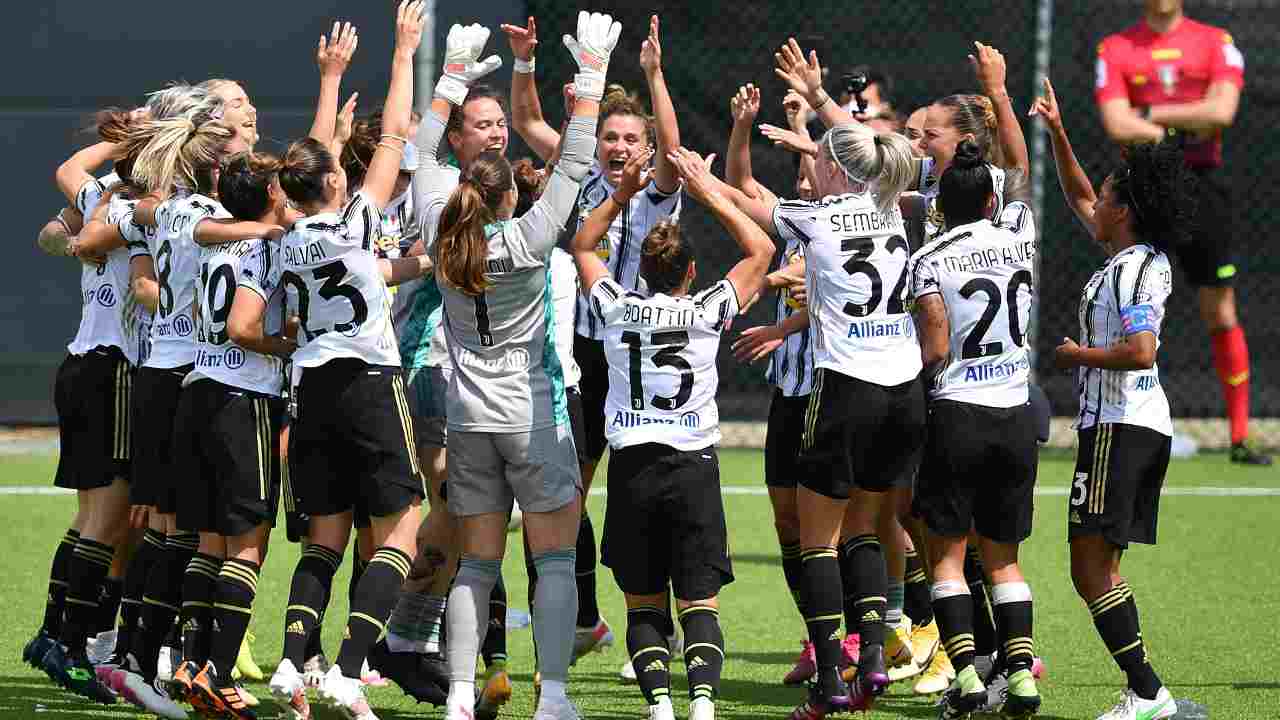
974 347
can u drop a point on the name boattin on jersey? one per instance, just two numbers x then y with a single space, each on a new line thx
1135 281
661 352
856 276
254 265
333 278
791 364
984 274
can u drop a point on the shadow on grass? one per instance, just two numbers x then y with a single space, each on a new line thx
33 695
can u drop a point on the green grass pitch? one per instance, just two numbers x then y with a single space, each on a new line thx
1207 595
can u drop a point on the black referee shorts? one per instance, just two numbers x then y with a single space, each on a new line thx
227 452
154 479
1208 256
860 435
664 522
352 446
979 471
92 394
1115 493
594 386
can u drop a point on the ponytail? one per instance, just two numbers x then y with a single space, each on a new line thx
176 151
897 169
975 115
463 244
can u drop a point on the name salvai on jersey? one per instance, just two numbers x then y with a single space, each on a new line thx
333 278
935 223
791 364
1127 296
661 352
254 265
983 272
110 316
620 246
173 248
856 276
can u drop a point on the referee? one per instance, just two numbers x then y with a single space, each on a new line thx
1171 75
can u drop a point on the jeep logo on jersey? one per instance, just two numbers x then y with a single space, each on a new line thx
183 325
233 358
107 296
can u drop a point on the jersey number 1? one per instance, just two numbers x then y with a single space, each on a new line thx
669 356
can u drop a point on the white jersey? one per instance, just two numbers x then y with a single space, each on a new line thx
332 276
620 247
984 274
564 296
791 365
935 223
255 265
856 276
110 317
1125 297
662 363
173 248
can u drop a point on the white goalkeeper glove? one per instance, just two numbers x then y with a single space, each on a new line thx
597 36
462 63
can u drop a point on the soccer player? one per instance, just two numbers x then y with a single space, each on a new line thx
662 425
624 131
1144 208
972 290
1169 75
352 414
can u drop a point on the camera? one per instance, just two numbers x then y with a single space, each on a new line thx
855 83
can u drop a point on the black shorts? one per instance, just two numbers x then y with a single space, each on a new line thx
860 435
154 480
782 439
226 449
1208 256
351 446
573 398
664 522
979 471
1116 489
594 387
92 394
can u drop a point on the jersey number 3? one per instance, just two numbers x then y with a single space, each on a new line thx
673 341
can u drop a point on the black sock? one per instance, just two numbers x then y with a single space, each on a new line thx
953 609
148 552
916 603
1115 616
703 650
984 621
494 648
530 570
650 655
198 585
1012 607
793 572
821 593
315 640
89 566
358 566
308 596
375 597
232 609
866 585
56 600
109 596
585 569
161 599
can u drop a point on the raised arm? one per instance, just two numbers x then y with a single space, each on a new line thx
664 111
1075 184
78 169
526 109
744 106
380 180
591 268
748 275
333 55
989 67
805 77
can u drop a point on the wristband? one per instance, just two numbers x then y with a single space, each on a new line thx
525 67
451 89
826 99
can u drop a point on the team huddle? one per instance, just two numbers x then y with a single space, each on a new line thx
392 312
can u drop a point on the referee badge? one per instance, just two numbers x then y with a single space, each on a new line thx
1168 75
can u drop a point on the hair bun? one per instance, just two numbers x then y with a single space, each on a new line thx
968 155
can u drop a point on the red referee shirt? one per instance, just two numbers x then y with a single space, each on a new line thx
1171 68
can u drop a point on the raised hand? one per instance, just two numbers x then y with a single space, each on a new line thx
989 67
636 174
796 108
651 49
410 18
346 121
597 37
803 76
745 105
696 173
524 40
462 63
333 54
789 139
1046 107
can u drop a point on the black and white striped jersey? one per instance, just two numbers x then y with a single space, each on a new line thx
791 365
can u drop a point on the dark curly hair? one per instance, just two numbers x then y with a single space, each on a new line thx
1155 184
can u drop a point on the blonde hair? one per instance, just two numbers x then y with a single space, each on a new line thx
975 115
882 161
176 151
463 244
